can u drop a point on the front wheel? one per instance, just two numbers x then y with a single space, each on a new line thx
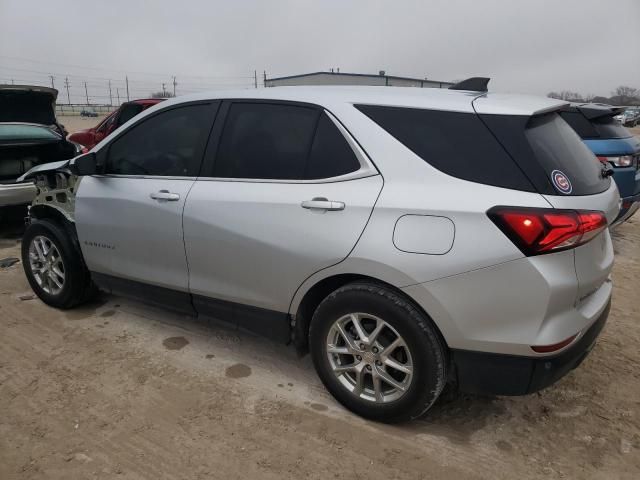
376 353
53 265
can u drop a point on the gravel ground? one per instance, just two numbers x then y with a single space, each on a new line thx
117 389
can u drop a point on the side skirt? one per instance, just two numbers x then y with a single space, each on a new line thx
268 323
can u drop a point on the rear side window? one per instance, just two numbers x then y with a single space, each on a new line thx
458 144
170 143
281 142
558 149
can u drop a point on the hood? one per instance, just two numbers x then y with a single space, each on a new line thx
28 103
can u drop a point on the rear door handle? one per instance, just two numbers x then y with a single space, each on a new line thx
165 195
321 203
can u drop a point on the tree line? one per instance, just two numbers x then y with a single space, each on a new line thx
622 95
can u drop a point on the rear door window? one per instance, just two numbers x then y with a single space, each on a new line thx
458 144
281 142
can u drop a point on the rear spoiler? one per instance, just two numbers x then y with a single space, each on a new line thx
592 111
474 84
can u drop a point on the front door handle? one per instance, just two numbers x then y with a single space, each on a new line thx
165 195
321 203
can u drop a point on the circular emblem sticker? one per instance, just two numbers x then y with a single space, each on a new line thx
561 182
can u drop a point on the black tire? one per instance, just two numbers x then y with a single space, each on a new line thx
77 287
427 348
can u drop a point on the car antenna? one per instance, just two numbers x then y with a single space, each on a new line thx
475 84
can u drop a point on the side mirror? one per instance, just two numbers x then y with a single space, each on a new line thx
84 164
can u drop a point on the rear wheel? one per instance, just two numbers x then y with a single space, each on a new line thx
54 266
376 353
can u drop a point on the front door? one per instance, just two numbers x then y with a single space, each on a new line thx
289 194
129 219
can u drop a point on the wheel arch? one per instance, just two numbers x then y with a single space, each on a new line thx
308 302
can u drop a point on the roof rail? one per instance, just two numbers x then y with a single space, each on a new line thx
475 84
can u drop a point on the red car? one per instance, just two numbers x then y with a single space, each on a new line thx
90 137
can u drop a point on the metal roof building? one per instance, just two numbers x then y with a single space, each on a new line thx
339 78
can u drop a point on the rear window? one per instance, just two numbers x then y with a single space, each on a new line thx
608 127
458 144
557 148
580 124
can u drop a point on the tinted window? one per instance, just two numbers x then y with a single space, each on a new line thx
266 141
458 144
331 154
128 112
608 127
580 124
557 147
170 143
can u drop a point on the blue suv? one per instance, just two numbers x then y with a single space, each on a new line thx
613 144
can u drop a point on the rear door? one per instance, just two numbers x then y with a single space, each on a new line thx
288 194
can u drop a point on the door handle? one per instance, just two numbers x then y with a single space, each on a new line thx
321 203
165 195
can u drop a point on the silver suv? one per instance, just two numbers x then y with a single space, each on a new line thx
406 237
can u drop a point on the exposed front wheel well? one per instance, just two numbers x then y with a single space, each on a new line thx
321 290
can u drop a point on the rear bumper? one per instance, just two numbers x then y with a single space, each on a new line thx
629 206
16 194
496 374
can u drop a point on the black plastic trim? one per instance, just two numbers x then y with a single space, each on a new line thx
268 323
496 374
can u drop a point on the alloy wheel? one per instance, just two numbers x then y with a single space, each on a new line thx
369 358
46 265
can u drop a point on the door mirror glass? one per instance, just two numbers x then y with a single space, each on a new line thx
84 164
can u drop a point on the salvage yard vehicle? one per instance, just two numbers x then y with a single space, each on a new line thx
406 237
614 145
29 135
90 137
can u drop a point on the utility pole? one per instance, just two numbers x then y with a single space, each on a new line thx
127 80
118 93
164 92
86 92
66 84
174 86
12 81
52 85
110 97
255 78
265 78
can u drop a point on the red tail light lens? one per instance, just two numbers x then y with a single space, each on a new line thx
536 231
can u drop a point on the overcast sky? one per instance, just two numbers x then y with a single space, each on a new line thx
533 46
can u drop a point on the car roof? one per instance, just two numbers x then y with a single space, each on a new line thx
409 97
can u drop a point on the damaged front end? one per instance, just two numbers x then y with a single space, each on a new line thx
56 186
56 190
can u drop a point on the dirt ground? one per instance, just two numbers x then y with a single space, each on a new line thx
73 123
117 389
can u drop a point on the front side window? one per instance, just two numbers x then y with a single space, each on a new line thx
281 142
170 143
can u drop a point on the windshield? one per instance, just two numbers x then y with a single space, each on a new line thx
22 133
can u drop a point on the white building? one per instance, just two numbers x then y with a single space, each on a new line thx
338 78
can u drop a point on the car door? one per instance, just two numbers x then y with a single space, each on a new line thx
129 218
288 193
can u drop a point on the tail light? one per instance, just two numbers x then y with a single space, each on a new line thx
618 161
536 231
